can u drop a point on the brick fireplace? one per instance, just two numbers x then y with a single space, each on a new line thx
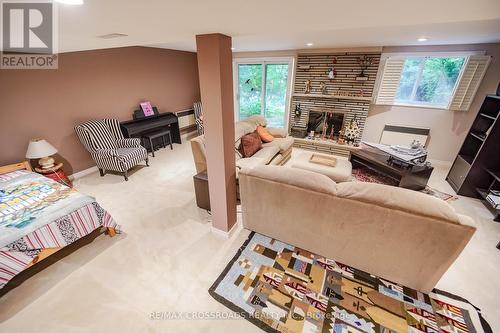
345 96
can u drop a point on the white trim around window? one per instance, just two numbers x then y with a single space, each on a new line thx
264 61
466 85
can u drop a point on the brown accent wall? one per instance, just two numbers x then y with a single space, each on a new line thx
89 85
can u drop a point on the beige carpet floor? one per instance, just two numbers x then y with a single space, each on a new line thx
168 257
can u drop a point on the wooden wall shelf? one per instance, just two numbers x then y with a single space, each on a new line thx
357 98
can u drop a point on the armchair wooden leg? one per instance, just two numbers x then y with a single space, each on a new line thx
101 172
147 161
111 232
125 175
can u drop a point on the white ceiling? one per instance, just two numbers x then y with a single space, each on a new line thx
278 24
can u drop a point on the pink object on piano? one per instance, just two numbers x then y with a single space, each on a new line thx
147 109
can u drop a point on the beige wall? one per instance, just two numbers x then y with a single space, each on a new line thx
448 128
89 85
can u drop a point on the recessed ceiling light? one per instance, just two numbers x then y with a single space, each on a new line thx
232 49
422 39
113 35
309 44
70 2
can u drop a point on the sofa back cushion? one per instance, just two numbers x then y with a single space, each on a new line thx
304 179
392 197
250 144
256 120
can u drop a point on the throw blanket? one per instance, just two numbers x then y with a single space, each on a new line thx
30 201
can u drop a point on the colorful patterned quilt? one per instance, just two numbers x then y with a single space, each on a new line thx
38 213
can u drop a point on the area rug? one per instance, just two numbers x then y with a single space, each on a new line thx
281 288
367 175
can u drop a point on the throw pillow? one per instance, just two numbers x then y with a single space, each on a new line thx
264 134
250 144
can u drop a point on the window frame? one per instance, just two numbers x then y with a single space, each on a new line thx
425 55
263 61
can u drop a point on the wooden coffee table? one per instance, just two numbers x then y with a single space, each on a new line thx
414 178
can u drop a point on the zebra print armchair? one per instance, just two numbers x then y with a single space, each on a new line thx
198 117
104 141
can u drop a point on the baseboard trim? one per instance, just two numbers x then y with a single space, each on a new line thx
227 234
83 173
440 163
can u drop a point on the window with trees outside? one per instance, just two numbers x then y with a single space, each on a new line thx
447 81
263 89
428 81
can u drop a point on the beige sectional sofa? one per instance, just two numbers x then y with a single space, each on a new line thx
277 152
397 234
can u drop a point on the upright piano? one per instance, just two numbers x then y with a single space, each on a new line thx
136 127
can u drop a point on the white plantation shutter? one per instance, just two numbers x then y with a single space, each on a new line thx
468 82
389 81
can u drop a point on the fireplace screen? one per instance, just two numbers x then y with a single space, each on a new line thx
318 121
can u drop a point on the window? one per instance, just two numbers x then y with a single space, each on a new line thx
263 88
447 81
428 81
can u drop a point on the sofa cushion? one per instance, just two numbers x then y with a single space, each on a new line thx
300 178
283 144
241 128
256 120
264 134
339 173
277 132
250 163
398 198
250 144
266 153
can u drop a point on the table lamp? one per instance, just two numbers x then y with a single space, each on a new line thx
41 149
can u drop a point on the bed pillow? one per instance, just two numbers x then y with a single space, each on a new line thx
250 144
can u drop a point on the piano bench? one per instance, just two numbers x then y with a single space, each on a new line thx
150 136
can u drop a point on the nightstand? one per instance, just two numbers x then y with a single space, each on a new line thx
55 173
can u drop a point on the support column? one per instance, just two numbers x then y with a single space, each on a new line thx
215 67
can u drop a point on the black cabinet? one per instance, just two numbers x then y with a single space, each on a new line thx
476 170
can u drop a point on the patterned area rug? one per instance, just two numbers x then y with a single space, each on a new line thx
370 176
281 288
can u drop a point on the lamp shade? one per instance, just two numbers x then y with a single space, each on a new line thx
40 148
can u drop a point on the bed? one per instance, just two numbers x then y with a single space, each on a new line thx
42 221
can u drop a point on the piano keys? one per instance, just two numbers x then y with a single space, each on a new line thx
136 127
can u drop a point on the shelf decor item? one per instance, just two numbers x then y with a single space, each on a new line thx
352 131
307 87
364 62
298 111
322 88
332 72
39 148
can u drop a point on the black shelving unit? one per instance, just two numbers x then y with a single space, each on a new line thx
476 170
